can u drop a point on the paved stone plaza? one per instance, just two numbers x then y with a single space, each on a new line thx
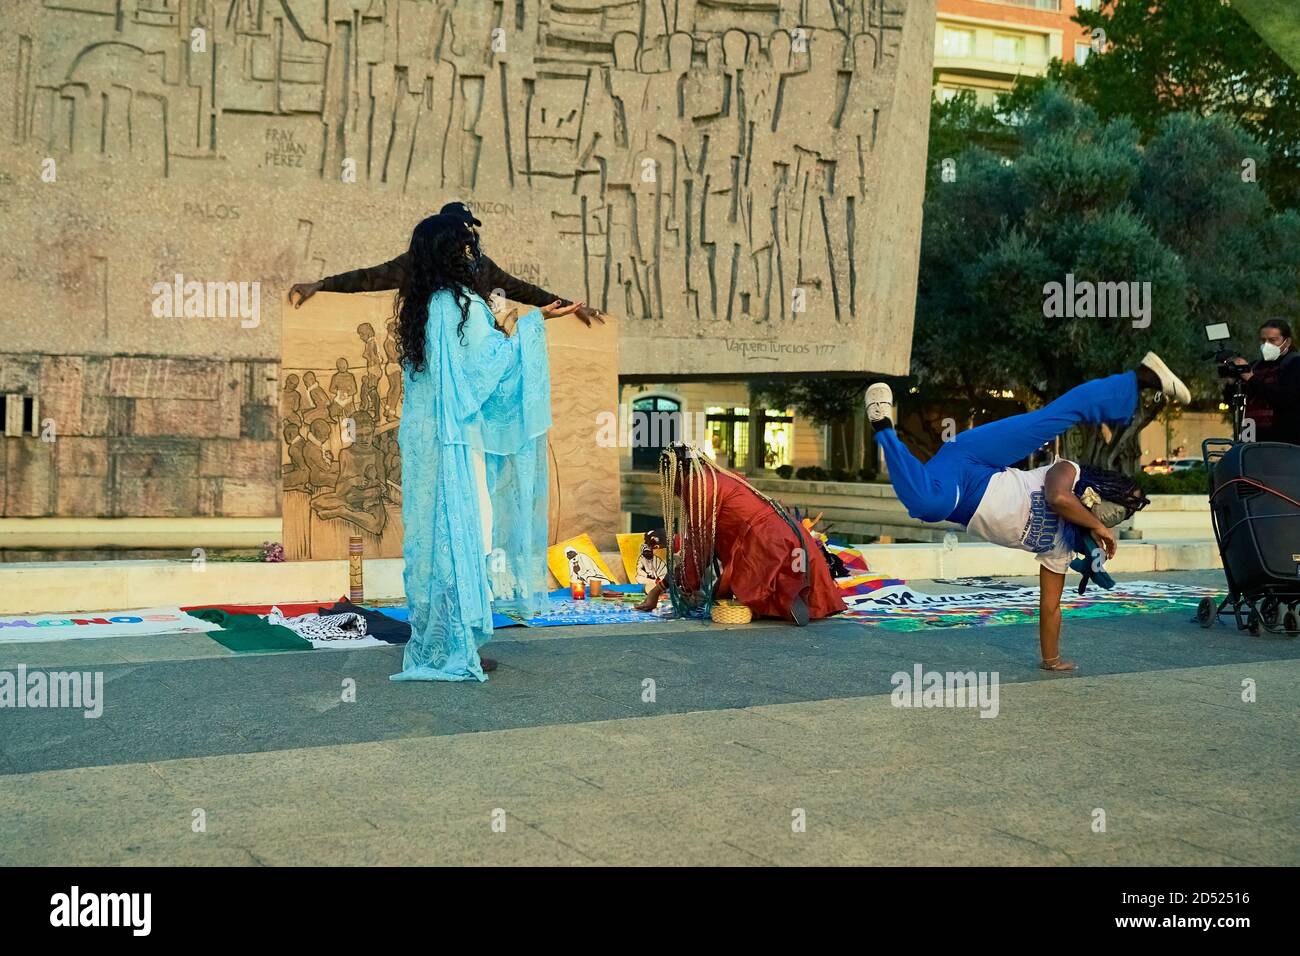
559 760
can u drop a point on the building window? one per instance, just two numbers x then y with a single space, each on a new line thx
778 439
1081 51
1008 49
727 436
661 426
958 43
1086 4
18 416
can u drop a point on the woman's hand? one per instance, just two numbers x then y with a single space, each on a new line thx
555 310
304 291
586 314
1106 538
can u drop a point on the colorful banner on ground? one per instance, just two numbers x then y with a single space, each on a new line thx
899 607
859 584
853 558
21 628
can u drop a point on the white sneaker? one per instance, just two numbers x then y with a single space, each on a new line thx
880 402
1170 384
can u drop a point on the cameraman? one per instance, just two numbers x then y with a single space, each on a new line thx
1273 385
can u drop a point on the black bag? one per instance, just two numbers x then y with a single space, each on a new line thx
1255 500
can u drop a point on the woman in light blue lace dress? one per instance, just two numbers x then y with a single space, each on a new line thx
476 406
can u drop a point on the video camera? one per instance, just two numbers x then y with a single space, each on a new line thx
1225 357
1225 361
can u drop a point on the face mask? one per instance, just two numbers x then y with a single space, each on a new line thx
1270 351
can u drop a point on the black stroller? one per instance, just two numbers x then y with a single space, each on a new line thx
1255 509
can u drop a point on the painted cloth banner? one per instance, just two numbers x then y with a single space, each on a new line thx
21 628
563 610
858 584
853 558
403 614
899 607
251 634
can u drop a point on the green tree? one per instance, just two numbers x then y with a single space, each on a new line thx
1160 57
1083 196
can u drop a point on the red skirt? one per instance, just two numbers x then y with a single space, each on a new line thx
763 570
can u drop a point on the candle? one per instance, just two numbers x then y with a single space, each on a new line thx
576 589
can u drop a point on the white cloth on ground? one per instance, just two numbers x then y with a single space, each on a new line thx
347 629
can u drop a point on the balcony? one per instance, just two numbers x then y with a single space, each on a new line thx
1052 6
979 50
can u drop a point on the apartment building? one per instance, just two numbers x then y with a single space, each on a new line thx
983 45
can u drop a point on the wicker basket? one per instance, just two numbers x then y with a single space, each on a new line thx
731 612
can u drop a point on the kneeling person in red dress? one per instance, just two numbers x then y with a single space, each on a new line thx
725 538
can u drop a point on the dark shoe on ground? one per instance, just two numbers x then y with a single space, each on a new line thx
487 663
799 612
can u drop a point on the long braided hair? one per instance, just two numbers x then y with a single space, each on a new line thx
689 489
442 255
1113 487
689 485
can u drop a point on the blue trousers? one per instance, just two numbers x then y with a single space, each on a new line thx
950 485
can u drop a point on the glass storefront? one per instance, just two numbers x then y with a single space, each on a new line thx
727 439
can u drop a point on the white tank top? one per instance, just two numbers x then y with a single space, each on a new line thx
1014 513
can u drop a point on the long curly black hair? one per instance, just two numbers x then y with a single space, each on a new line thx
443 255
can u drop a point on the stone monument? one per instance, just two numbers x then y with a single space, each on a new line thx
738 182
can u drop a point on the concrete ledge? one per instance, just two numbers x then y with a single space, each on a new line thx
113 585
1198 503
59 587
69 534
1165 524
919 561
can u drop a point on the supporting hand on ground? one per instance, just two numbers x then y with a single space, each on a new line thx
651 599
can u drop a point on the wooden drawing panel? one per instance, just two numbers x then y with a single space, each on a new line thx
340 365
